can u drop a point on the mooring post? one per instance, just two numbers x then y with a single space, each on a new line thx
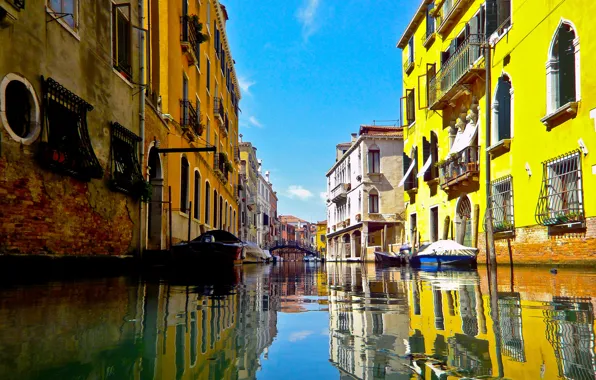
170 214
189 219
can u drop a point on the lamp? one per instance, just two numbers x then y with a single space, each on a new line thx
582 146
528 169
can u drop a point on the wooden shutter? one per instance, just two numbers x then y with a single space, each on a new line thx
504 99
422 89
492 21
566 65
406 162
426 151
410 106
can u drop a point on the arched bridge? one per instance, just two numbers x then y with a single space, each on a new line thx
292 250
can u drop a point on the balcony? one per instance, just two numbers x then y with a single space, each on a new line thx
460 70
460 169
237 154
190 38
449 13
340 192
218 111
189 119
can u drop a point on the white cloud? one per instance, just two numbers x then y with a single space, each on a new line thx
323 195
307 16
245 85
253 120
299 335
299 192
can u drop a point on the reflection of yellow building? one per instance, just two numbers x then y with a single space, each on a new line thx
194 87
321 241
542 94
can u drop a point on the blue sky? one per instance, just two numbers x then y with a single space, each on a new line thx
311 72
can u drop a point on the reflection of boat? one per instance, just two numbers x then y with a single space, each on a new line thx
253 253
445 252
388 258
217 246
353 259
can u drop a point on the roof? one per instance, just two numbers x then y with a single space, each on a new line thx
386 130
291 219
322 222
411 28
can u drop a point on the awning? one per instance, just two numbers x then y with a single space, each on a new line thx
405 177
464 139
425 167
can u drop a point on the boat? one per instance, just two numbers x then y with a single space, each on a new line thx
213 247
253 253
389 258
445 252
353 259
268 256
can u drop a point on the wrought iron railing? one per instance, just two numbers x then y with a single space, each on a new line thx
126 170
191 33
460 164
237 153
459 64
561 196
19 4
218 108
189 117
501 204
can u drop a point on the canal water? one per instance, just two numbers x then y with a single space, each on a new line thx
303 320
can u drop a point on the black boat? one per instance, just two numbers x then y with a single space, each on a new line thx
212 247
389 259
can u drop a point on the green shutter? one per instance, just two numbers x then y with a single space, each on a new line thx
504 99
566 53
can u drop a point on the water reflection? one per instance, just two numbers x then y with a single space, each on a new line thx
346 320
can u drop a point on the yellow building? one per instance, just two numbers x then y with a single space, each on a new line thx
321 241
249 169
540 134
194 90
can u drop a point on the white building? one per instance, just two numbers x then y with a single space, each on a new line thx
364 202
264 214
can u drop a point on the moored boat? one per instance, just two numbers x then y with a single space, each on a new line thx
213 247
389 258
445 252
253 253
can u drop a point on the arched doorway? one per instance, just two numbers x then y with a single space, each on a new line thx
346 249
154 232
463 221
357 238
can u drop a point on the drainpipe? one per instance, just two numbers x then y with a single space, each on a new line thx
141 112
490 241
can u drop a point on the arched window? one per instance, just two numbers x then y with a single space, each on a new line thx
374 160
562 68
215 213
502 110
184 185
373 202
197 198
207 195
221 212
226 217
230 220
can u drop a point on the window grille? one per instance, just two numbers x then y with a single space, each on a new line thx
125 168
501 203
561 196
512 339
66 147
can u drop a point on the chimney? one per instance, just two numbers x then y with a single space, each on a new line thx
260 165
354 137
267 177
240 135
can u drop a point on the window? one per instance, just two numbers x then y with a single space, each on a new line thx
125 168
215 209
498 16
561 196
66 146
180 350
410 106
374 160
122 39
208 14
413 229
197 197
19 109
411 50
184 185
434 224
221 212
194 339
207 204
430 20
563 68
208 133
322 238
209 75
502 114
66 8
502 204
373 202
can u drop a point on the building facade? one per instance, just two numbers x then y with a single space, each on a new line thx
70 135
364 201
301 230
541 94
321 238
193 85
264 209
249 171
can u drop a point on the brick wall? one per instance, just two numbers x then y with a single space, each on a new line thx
42 212
533 245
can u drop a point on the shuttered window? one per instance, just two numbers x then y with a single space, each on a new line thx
184 168
207 202
197 196
410 106
566 55
503 108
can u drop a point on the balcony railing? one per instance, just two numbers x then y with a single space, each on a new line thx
237 154
190 37
448 14
458 69
339 192
189 117
460 168
218 110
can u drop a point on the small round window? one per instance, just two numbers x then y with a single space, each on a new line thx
19 109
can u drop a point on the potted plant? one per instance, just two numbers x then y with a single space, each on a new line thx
229 166
143 190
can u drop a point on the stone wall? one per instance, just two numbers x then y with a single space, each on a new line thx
533 245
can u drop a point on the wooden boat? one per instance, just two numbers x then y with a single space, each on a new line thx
213 247
253 253
445 252
389 259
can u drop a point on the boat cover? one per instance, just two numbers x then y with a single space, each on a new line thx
447 248
464 139
220 235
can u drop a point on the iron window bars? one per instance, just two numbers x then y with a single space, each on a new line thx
126 172
561 197
66 147
510 319
189 117
191 33
501 204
